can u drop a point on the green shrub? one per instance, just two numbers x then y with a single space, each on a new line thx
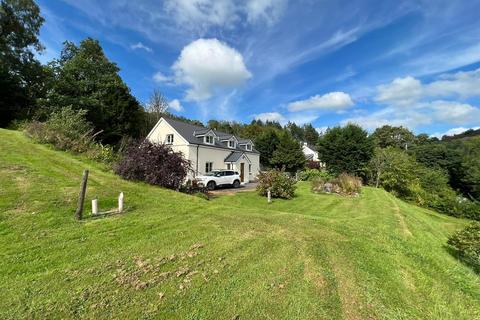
466 243
280 185
67 130
310 174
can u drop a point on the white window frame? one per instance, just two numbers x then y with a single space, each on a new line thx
168 140
249 168
229 166
248 147
231 144
208 167
207 137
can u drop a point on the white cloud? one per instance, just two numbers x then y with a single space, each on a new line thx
207 65
455 112
407 91
464 84
160 77
175 105
202 15
332 100
438 111
140 45
322 130
401 91
270 116
264 10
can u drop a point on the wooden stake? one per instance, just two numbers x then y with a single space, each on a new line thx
269 196
120 202
94 206
81 196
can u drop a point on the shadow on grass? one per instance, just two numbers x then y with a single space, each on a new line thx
466 261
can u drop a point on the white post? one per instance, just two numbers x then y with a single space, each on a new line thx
269 196
120 202
94 206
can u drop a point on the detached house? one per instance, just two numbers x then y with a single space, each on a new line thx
309 152
208 149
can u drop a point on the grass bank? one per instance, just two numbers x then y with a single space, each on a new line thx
180 257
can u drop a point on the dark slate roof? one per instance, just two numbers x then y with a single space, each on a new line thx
188 131
234 156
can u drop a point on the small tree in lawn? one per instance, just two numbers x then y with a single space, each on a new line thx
289 154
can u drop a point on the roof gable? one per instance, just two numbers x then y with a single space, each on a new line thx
191 133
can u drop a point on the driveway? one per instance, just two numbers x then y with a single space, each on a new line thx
230 190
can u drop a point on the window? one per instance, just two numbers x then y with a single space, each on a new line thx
231 144
169 138
208 167
209 139
229 173
250 168
248 147
229 166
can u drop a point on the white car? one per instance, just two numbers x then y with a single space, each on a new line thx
219 178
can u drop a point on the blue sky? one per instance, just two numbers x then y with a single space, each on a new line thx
410 63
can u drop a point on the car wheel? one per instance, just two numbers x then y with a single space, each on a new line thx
211 185
236 184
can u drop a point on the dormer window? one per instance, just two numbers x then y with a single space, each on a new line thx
231 144
248 147
209 139
169 139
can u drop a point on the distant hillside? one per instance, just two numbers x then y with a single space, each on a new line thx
467 134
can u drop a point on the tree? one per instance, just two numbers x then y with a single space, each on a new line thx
394 170
288 155
346 149
310 134
156 107
388 136
378 164
296 132
21 75
85 79
266 143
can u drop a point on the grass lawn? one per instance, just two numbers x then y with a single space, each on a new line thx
235 257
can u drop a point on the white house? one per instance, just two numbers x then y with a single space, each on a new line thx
208 149
309 152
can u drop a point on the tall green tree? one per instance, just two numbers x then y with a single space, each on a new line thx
346 149
310 134
388 136
266 143
288 154
84 78
296 131
21 75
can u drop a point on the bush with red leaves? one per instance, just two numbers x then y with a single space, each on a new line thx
153 163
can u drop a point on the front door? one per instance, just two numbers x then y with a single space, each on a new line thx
242 171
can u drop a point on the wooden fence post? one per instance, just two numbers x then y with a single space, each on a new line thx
81 196
269 196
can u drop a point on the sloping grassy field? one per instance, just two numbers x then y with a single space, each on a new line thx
235 257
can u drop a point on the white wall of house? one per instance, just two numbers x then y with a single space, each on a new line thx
199 155
308 151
